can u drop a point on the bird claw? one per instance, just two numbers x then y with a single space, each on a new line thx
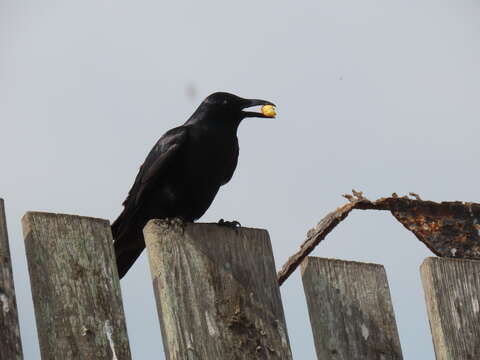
175 223
230 224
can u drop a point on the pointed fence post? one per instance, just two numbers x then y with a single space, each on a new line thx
452 294
350 310
217 292
75 287
10 343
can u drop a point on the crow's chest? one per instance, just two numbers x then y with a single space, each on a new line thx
213 157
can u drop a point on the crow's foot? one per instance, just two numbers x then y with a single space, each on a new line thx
176 223
230 224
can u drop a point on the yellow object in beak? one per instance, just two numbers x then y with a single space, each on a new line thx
269 111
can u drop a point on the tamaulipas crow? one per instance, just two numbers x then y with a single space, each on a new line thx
183 172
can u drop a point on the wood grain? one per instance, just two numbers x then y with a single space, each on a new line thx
75 287
452 294
10 343
350 310
216 290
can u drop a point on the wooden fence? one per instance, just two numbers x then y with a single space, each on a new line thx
218 296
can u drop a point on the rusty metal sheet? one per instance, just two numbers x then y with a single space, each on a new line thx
448 229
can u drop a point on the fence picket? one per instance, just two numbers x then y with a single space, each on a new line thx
75 287
350 310
10 343
217 292
452 294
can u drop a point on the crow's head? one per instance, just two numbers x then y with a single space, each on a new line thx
228 105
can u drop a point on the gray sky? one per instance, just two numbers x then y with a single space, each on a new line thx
380 96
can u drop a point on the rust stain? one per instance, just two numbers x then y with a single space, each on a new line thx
448 229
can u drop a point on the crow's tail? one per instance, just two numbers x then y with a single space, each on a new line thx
126 255
128 243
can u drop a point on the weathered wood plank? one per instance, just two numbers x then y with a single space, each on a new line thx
216 290
10 343
452 294
350 310
75 287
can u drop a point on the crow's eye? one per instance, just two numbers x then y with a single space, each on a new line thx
225 102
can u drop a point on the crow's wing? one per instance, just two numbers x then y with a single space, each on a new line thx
156 164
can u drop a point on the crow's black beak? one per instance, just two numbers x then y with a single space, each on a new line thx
246 103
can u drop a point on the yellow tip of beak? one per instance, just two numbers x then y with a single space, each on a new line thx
269 110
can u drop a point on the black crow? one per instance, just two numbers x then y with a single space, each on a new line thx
183 172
